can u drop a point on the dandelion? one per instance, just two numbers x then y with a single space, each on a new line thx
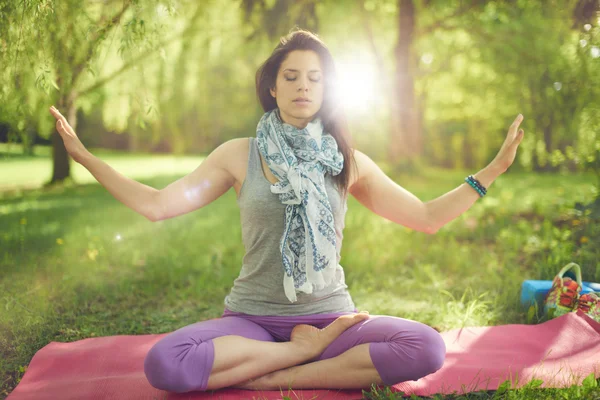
23 221
584 239
576 222
59 241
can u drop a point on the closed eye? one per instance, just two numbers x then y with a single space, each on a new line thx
313 80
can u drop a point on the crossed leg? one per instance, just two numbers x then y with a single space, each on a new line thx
352 369
381 350
218 353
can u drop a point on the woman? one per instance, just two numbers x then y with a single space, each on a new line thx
289 320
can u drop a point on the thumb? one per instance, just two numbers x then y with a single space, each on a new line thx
520 135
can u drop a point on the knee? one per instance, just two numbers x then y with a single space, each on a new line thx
433 350
177 370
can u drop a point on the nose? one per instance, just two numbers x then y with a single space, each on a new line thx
303 84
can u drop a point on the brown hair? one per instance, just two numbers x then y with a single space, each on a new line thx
334 120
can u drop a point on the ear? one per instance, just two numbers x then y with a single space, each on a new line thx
272 92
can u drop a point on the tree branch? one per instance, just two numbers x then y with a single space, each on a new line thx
189 30
96 39
500 42
441 23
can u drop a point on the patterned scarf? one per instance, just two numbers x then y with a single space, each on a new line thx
308 244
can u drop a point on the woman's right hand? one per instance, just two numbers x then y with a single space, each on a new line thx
72 143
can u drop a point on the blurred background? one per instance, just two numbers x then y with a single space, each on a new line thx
435 82
429 87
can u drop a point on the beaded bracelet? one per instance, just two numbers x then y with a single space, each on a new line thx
479 185
475 184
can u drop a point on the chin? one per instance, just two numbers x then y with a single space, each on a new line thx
303 113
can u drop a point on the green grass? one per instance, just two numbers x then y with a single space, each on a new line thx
22 173
66 276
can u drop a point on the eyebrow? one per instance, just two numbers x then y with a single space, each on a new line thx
295 70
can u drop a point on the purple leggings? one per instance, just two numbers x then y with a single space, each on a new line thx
400 349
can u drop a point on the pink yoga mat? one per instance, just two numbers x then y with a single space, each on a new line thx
561 352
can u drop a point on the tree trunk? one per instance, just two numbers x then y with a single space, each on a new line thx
29 139
406 137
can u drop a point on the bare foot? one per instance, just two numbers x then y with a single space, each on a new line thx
315 340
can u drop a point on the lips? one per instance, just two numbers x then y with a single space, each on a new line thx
302 100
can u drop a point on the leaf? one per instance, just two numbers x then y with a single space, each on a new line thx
590 381
54 84
534 383
503 388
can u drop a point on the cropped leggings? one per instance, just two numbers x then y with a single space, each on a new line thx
401 349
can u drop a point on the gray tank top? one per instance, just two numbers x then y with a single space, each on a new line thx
258 290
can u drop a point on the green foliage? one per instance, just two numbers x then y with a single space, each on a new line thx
174 72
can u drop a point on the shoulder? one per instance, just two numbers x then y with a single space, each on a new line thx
365 167
231 150
238 145
234 156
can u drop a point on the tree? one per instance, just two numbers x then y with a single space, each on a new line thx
68 37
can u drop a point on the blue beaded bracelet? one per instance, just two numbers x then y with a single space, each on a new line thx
476 187
472 179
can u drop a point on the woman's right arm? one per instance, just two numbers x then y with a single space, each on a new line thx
135 195
211 179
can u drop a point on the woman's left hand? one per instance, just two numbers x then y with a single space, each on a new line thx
508 151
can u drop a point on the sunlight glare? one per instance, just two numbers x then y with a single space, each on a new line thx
357 84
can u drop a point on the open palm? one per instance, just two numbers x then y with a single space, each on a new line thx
508 151
74 147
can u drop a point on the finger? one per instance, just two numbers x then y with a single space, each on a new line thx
512 131
65 124
519 136
60 127
518 119
53 112
517 122
56 114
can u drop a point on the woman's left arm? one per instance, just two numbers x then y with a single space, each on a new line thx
451 205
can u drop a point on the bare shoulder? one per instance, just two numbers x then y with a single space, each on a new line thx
237 147
235 159
356 174
366 168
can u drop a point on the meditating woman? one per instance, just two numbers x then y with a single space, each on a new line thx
289 321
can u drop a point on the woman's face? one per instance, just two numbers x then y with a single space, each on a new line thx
300 75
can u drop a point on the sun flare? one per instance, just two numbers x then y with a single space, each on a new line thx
357 84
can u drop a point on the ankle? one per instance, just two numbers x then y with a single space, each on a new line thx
301 350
